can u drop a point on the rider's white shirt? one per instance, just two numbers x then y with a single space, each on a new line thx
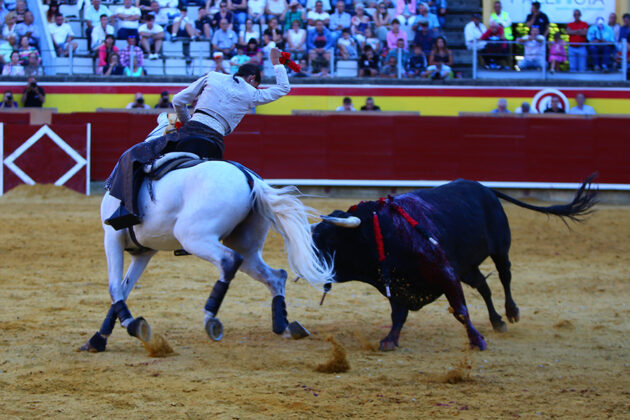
221 96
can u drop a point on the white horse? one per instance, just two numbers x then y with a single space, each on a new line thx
212 211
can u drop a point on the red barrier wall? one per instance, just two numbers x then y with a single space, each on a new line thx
527 149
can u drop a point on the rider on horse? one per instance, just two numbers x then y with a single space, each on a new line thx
221 102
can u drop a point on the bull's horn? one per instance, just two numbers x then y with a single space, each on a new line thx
346 222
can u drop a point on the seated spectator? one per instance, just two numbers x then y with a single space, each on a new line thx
382 21
326 4
368 63
406 11
525 108
25 49
217 64
319 42
183 26
348 46
20 10
400 52
239 11
555 107
417 63
7 100
438 8
92 15
318 13
423 14
138 103
113 67
624 31
162 14
296 41
275 33
130 51
223 13
224 39
151 34
277 9
10 26
502 17
100 31
612 22
324 72
29 29
390 69
581 108
371 40
203 24
256 10
212 6
600 36
473 32
424 37
577 31
360 23
303 70
164 102
441 53
136 70
34 95
538 18
53 9
106 49
557 53
346 105
62 36
253 51
369 105
248 32
33 67
501 107
438 71
296 13
395 34
496 54
13 67
238 59
534 57
339 20
128 17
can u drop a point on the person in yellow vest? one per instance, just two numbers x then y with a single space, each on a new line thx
502 17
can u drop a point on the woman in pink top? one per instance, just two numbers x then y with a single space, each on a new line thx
395 34
105 50
557 53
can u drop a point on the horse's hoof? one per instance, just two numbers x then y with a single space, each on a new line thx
140 329
387 346
214 329
95 344
297 331
499 326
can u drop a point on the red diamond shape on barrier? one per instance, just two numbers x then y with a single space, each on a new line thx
57 162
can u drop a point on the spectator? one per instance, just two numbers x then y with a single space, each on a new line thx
62 36
577 31
538 18
382 21
136 70
400 52
113 68
423 13
624 31
92 15
33 67
347 46
128 17
405 11
239 11
324 72
369 105
7 46
20 10
312 4
557 53
10 26
217 64
212 6
164 102
424 37
250 31
473 32
224 39
525 108
138 103
360 23
303 69
106 49
501 107
131 50
534 50
600 36
346 105
203 24
555 107
275 33
319 42
33 96
277 9
581 108
296 41
239 59
612 22
390 69
502 17
7 100
339 20
395 34
29 29
161 14
253 51
13 67
256 10
441 53
438 8
145 9
53 9
223 13
98 33
295 13
496 53
183 26
372 40
368 63
438 71
151 34
317 14
417 62
25 50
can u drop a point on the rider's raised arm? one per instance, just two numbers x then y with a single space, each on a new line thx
281 88
187 96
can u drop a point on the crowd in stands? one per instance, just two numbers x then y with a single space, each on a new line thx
554 107
581 46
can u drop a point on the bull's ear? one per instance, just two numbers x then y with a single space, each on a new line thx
345 222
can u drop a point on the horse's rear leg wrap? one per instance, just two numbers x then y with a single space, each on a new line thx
122 312
108 324
279 314
96 343
216 297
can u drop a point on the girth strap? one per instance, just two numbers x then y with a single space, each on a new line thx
140 249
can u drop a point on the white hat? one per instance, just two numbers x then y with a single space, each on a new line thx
217 54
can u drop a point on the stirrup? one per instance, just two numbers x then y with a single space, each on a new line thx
122 219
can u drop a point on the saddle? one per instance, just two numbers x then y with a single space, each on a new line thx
170 162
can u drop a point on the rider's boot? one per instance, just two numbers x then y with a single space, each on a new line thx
122 219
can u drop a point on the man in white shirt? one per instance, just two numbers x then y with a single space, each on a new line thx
534 50
92 16
473 31
100 32
151 34
581 108
161 14
317 14
312 4
346 106
62 36
128 20
221 102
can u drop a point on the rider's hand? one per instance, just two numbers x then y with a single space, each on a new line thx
274 55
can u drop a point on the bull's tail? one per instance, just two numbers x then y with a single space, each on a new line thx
581 205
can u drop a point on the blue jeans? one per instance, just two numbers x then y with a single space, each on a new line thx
577 58
601 55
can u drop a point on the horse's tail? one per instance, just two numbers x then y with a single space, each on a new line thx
581 205
290 218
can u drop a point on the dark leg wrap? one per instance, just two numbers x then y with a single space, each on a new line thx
98 342
216 297
121 310
279 314
110 321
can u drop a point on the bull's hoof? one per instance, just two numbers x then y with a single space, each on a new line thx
140 329
513 314
95 344
214 329
297 331
499 326
387 345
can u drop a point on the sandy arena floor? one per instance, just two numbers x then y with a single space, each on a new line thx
569 357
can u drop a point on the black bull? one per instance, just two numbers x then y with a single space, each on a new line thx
469 224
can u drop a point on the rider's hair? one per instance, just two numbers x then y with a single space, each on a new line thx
247 70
